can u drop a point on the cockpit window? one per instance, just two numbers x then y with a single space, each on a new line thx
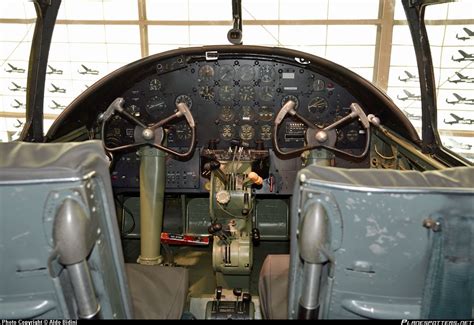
94 37
449 29
452 46
15 43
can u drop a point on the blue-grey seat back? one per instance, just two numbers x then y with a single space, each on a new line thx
380 225
38 184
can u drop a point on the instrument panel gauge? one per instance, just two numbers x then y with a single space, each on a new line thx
266 93
134 110
184 99
183 131
206 73
317 104
247 113
267 73
226 93
226 73
293 98
246 93
227 132
246 73
247 132
226 114
155 105
155 85
266 132
206 92
265 113
319 85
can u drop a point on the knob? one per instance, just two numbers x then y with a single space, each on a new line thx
237 292
218 293
246 297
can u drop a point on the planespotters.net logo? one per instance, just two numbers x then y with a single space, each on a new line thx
437 322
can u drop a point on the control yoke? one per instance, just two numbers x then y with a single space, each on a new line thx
153 134
321 137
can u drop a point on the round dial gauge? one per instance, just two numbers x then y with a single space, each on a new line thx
267 73
183 131
247 132
266 93
317 104
206 92
226 73
246 73
184 99
287 98
265 113
319 85
247 113
246 93
226 114
134 110
226 93
266 132
227 132
155 84
155 105
206 73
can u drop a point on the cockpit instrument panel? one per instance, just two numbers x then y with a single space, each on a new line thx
237 100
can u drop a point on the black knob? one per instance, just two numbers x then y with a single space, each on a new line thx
218 293
256 236
246 297
237 292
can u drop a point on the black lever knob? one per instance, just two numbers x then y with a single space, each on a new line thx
256 236
218 293
237 292
246 297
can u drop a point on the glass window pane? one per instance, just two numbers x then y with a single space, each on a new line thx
350 9
259 9
260 35
167 9
303 35
303 9
17 9
178 35
210 10
206 35
351 35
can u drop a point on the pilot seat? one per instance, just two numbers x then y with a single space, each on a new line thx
60 249
376 244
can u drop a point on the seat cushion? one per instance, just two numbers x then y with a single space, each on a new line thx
273 287
158 292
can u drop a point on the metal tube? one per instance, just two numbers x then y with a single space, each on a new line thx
311 279
87 303
152 190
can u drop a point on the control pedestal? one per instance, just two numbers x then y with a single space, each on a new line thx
234 304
